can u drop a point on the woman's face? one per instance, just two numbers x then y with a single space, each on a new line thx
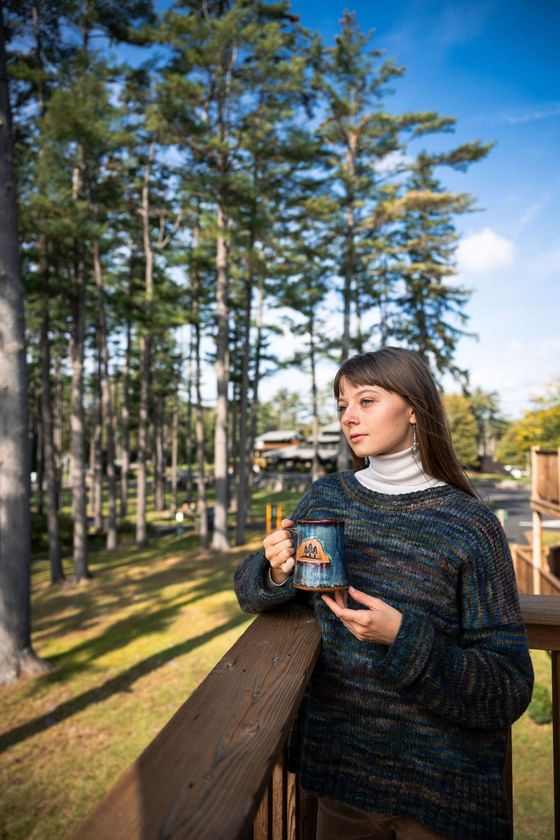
374 421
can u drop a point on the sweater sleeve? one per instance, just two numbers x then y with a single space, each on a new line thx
253 592
250 584
484 679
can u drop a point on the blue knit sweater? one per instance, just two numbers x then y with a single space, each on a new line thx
417 728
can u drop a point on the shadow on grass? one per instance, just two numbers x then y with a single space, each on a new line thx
108 593
121 682
131 628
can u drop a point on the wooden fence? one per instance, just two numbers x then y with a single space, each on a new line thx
545 500
545 472
216 771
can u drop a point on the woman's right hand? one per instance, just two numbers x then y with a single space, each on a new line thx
279 551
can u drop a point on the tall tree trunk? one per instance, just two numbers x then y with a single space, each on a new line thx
259 317
244 463
77 446
37 454
57 430
343 455
220 537
202 508
201 505
49 444
189 447
174 451
141 476
159 467
106 403
77 467
316 465
165 455
233 437
57 572
96 465
16 654
145 354
125 423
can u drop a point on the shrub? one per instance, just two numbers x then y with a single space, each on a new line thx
540 707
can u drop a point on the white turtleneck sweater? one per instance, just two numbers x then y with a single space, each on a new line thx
398 473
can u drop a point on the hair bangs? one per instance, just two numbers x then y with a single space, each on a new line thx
363 370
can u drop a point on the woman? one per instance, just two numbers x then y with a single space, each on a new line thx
424 662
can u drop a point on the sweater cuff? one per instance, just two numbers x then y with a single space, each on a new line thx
272 583
271 592
407 656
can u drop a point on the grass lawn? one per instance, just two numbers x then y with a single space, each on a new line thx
532 768
127 649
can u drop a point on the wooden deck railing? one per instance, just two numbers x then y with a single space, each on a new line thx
532 579
216 771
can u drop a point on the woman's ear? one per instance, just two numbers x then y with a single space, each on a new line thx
412 416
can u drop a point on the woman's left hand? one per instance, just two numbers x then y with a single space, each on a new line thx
377 622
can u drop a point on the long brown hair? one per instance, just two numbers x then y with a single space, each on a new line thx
405 373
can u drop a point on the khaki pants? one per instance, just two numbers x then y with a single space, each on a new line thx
338 821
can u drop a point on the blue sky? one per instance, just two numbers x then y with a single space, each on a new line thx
494 66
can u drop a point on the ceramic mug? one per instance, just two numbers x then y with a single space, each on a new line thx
319 545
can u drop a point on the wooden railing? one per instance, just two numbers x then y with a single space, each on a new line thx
532 579
216 771
541 614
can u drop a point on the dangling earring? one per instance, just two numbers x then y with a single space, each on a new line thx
414 440
366 459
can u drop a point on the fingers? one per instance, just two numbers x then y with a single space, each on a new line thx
378 622
338 604
363 598
288 565
279 547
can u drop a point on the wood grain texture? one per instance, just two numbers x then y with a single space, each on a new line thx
217 772
203 776
541 614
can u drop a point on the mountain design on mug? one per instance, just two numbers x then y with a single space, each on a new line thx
311 551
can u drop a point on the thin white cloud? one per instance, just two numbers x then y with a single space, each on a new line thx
519 116
531 212
483 252
535 114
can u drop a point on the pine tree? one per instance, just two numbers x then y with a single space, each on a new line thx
429 308
219 55
16 654
306 289
359 134
40 48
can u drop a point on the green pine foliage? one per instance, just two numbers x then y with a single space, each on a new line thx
283 194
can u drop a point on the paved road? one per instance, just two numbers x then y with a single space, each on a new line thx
513 499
